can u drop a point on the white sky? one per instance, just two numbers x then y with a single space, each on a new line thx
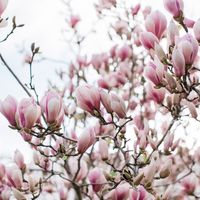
43 21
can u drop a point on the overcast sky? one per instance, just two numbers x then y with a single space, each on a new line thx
44 21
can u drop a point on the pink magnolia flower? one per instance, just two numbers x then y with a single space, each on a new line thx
52 106
88 98
178 61
188 22
97 179
3 5
18 195
156 95
139 194
196 29
121 192
156 23
188 46
103 149
74 20
175 7
189 184
148 40
28 113
118 106
85 140
2 171
14 176
154 72
124 52
172 32
106 101
8 108
19 159
135 9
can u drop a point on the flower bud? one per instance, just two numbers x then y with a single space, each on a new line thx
14 176
19 159
178 61
156 95
121 192
53 108
18 195
3 5
28 113
2 171
188 46
148 40
74 20
196 29
97 179
118 106
172 32
8 108
140 194
103 149
88 98
175 7
85 140
156 23
135 9
124 52
106 101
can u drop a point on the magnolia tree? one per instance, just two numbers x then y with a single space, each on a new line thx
113 131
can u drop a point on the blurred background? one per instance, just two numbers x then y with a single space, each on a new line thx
45 24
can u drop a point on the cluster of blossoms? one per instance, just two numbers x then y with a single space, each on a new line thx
112 132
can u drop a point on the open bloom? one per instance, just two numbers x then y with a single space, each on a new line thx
8 108
88 98
28 113
52 106
156 23
175 7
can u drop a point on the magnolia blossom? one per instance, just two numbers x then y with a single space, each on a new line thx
118 106
154 72
88 98
196 29
14 176
19 159
175 7
8 108
3 5
178 62
85 140
148 40
52 106
188 46
155 94
28 113
97 179
156 23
